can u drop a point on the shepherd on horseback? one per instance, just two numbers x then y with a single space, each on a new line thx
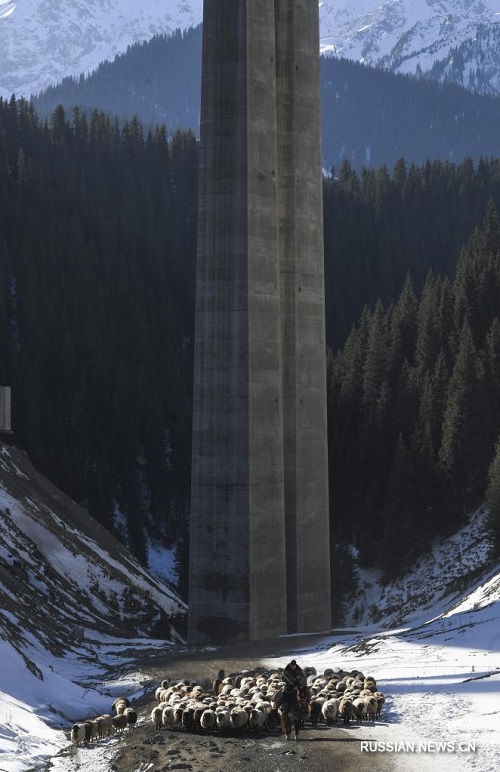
293 698
294 677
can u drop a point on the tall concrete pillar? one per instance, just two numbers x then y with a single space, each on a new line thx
259 536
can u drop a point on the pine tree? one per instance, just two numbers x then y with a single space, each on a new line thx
375 446
462 449
449 337
429 333
403 328
433 400
376 362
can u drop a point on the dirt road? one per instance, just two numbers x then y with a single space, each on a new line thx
318 750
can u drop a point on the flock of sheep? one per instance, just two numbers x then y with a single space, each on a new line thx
243 701
248 700
103 726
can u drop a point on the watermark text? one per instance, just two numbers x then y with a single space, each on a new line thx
431 746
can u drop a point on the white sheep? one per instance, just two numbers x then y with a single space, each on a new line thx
156 717
105 724
381 701
208 720
177 715
91 730
238 718
330 709
167 715
188 721
371 708
120 704
346 709
256 719
222 719
264 705
78 733
359 705
257 696
196 692
163 694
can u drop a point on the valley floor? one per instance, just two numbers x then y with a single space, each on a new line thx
436 718
435 655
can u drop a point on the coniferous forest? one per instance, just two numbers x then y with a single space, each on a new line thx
97 264
97 244
369 116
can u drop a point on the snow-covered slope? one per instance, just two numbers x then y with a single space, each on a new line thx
446 575
42 41
388 33
73 601
63 577
410 36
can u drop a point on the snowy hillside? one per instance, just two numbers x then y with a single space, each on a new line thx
68 590
74 635
451 38
397 31
64 578
450 568
42 41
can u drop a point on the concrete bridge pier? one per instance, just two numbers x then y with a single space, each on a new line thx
259 533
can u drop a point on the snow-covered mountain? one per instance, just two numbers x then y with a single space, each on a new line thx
42 41
413 36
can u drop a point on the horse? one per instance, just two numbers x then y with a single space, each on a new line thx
292 709
304 697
